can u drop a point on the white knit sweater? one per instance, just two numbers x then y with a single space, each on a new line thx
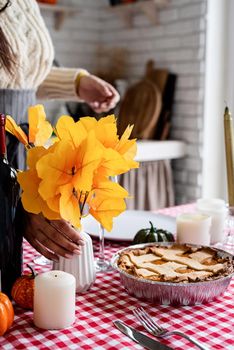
29 38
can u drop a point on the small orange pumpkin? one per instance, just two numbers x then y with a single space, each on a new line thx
23 290
6 313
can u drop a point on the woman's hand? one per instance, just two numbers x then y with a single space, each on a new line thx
52 238
100 95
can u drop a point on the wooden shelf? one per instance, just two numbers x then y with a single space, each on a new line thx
60 12
149 7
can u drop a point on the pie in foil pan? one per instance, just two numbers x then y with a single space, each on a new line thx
174 274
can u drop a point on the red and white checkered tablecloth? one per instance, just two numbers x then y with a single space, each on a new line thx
212 324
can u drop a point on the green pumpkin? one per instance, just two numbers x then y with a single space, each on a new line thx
153 234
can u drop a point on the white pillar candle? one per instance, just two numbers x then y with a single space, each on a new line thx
216 208
193 228
54 300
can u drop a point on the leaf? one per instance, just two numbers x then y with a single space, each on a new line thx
31 199
104 188
128 148
105 129
103 210
69 165
15 130
69 205
67 129
112 163
34 154
40 129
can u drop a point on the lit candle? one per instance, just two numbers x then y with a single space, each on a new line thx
193 228
54 300
229 144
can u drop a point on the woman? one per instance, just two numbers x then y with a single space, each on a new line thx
26 56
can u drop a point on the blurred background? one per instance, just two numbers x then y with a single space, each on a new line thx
171 61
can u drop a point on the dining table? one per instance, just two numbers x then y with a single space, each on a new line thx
212 324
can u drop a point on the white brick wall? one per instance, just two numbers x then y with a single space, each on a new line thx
75 42
177 43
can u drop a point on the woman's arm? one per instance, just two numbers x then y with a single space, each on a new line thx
78 85
60 84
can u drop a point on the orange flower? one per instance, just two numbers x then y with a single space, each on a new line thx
105 129
76 169
106 200
67 129
105 209
40 130
15 130
29 182
127 148
68 171
112 163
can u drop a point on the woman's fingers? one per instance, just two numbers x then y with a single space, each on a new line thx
53 238
55 247
67 230
102 107
41 249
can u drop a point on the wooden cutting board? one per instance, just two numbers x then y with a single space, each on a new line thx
159 76
141 106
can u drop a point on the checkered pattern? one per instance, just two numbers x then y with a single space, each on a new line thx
212 324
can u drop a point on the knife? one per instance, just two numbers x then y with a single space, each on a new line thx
140 338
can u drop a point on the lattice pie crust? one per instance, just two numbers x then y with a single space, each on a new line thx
176 263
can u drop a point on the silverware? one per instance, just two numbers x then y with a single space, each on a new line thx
140 338
154 328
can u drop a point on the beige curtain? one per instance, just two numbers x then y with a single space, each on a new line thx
151 186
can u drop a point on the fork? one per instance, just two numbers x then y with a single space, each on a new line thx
154 328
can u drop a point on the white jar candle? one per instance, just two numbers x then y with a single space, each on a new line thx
193 228
54 300
217 209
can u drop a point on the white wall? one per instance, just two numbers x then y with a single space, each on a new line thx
178 43
216 98
75 42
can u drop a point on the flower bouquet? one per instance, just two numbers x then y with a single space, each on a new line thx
70 167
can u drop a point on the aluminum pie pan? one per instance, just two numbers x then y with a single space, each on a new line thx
168 293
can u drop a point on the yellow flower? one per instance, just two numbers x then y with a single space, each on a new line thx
29 182
76 169
15 130
40 129
127 148
106 200
105 129
112 163
70 205
67 129
68 171
105 209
